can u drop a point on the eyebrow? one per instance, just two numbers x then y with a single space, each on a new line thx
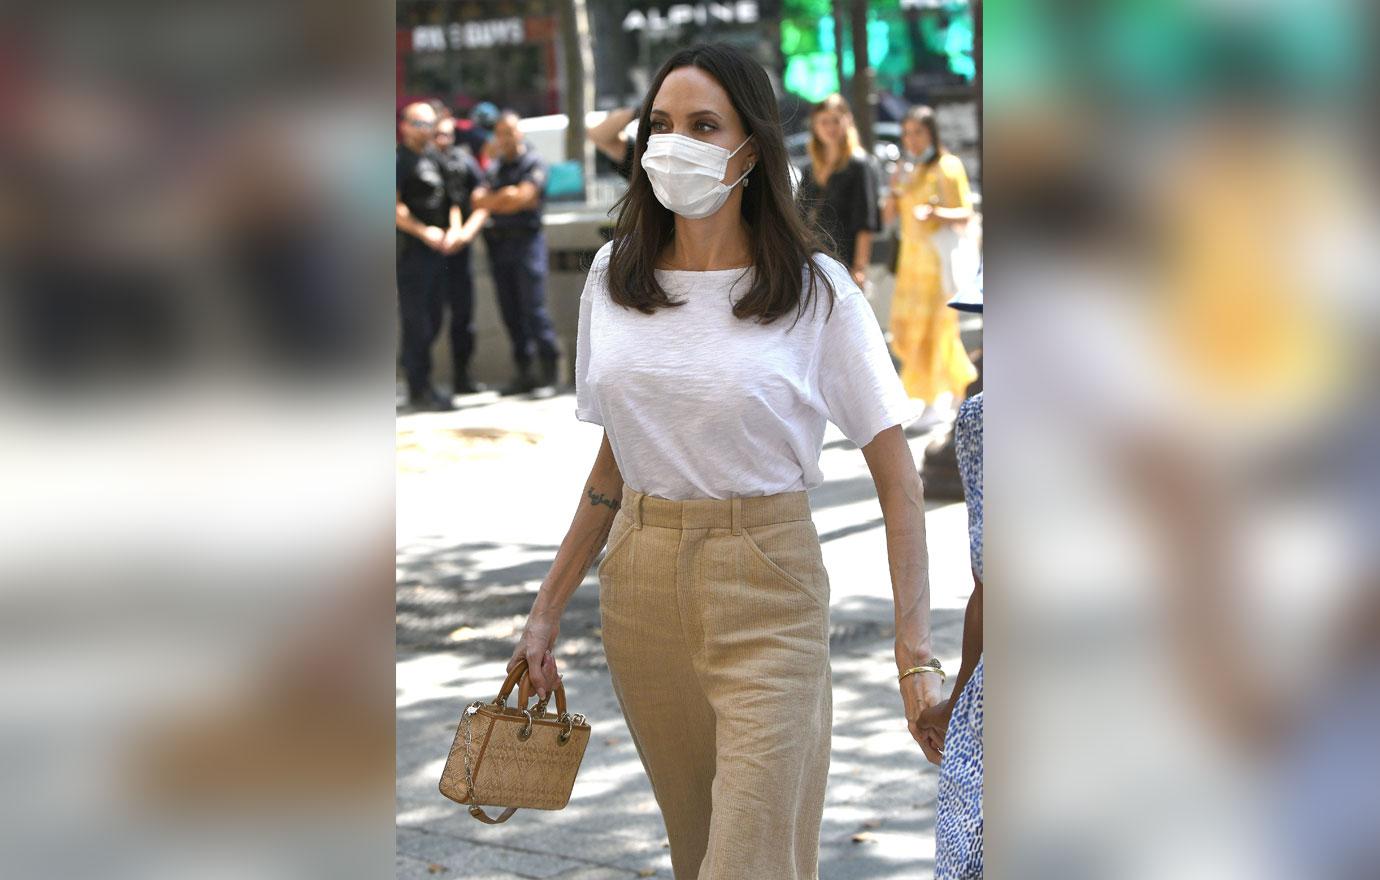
657 111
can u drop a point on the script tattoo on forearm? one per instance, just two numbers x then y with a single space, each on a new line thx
596 498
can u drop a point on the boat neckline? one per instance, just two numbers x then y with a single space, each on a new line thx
704 271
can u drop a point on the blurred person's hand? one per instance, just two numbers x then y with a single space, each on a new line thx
536 644
934 725
456 240
435 238
924 212
859 274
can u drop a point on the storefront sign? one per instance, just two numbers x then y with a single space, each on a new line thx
468 35
656 21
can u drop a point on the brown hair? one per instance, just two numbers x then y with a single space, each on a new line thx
924 117
852 144
782 245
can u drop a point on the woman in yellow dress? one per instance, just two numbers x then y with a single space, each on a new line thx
928 192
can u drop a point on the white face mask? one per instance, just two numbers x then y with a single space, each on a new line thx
687 175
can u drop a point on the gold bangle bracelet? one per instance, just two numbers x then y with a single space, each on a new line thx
915 669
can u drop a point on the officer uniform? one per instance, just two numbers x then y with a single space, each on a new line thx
462 176
517 256
421 181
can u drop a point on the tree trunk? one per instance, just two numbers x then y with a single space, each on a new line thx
839 32
579 81
977 80
864 91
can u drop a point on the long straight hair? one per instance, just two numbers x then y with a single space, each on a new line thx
852 143
781 243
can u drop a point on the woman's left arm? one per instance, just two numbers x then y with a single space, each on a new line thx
866 219
903 509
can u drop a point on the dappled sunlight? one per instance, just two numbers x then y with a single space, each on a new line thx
466 575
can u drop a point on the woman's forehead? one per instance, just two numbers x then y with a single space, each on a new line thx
688 90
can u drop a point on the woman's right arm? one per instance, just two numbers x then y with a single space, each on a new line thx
589 530
608 134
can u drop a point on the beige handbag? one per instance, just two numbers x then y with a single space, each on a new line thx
514 756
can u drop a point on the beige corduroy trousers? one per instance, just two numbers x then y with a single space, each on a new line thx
716 628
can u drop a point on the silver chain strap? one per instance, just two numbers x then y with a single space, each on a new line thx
469 747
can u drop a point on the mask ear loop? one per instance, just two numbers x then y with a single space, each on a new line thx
749 168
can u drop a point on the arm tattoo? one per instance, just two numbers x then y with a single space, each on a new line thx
596 498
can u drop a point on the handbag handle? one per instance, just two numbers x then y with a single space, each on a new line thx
519 673
524 694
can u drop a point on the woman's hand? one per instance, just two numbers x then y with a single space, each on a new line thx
859 274
536 644
919 692
934 725
923 212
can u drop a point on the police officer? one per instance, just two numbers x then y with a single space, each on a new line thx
462 176
514 196
482 120
423 216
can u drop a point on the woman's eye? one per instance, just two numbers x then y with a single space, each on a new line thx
705 126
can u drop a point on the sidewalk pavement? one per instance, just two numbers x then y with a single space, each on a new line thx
485 495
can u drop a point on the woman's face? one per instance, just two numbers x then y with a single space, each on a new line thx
692 103
829 126
915 138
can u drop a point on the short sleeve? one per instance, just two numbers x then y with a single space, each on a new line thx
586 405
956 178
856 378
536 172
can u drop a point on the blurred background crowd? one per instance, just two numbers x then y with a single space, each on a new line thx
548 96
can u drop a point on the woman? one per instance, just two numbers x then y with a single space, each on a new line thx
929 192
954 726
713 345
838 189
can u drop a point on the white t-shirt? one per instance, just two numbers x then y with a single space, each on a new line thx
700 404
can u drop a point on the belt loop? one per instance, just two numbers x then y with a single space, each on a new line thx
637 509
737 515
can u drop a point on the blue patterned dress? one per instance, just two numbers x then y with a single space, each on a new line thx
958 819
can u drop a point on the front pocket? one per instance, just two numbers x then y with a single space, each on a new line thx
618 536
778 570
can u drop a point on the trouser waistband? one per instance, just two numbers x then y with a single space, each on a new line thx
715 513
